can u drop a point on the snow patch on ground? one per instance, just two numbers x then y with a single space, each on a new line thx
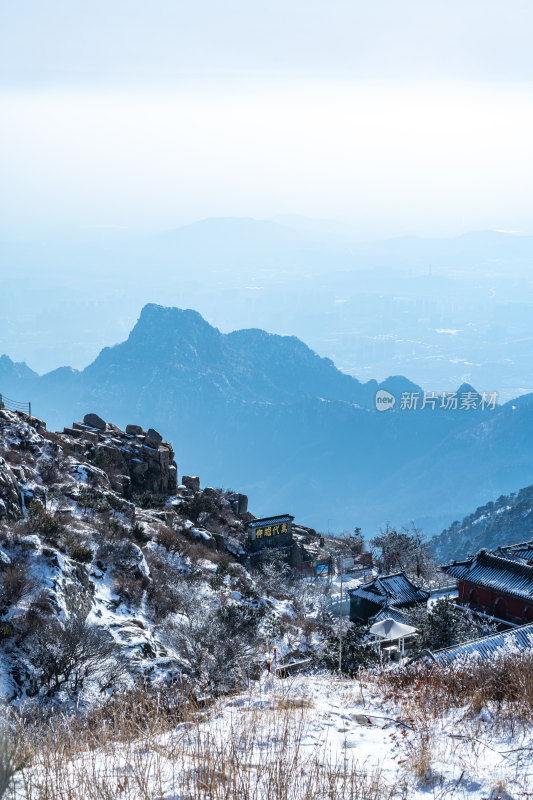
343 725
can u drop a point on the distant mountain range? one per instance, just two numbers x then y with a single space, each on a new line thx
507 520
443 311
264 414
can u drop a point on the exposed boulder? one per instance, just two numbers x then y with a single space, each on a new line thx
192 482
134 462
238 502
134 430
94 421
153 438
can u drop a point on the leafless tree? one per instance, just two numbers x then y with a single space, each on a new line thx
65 655
404 550
217 640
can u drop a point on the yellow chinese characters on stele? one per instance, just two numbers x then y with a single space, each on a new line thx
271 530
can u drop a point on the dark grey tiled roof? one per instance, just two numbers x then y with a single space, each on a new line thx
497 572
258 523
518 639
390 612
521 550
362 608
391 590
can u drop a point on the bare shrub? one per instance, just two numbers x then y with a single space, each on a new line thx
165 591
40 606
50 470
111 529
169 539
274 576
129 588
219 641
195 552
67 655
15 584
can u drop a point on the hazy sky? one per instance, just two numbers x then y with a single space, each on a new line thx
399 116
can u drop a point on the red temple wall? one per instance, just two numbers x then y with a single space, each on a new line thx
515 608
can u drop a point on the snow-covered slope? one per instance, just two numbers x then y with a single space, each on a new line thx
507 520
98 590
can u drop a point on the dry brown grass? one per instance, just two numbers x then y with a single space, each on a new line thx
458 714
503 686
148 745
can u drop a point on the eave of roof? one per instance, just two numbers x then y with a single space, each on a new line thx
257 523
389 612
486 646
497 572
396 589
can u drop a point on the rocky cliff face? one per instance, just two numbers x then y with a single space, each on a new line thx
135 460
10 501
111 571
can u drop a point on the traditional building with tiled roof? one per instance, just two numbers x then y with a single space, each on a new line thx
523 550
497 583
517 640
393 592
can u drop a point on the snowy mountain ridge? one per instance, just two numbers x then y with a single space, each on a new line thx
151 587
505 521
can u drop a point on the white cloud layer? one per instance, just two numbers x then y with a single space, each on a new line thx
411 117
425 157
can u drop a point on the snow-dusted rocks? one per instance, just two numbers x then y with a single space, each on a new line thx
10 504
158 580
94 421
135 461
191 482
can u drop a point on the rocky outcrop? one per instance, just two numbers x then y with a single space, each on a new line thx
152 438
94 421
191 482
10 505
135 460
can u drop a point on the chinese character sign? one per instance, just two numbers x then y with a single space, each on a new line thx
268 531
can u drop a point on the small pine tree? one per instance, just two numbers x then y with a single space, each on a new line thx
139 534
444 624
40 521
81 553
218 580
357 650
198 504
